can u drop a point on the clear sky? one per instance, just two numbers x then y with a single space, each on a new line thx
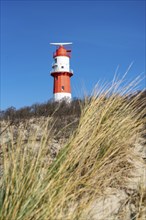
105 34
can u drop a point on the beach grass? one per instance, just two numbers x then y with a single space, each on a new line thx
96 156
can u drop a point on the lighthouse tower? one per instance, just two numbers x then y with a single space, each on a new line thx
61 72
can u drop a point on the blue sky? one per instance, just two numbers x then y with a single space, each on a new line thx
105 34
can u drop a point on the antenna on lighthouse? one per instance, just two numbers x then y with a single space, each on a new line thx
61 44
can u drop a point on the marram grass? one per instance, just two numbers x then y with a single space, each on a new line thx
95 157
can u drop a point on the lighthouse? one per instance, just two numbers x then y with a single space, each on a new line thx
61 72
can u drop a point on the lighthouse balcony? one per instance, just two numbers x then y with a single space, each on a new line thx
70 71
54 65
59 71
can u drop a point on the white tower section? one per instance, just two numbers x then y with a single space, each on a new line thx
61 64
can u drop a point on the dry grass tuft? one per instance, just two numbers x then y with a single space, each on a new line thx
94 158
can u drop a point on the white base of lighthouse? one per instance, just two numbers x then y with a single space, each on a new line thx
62 95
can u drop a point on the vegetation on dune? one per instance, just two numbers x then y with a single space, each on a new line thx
65 115
44 109
96 156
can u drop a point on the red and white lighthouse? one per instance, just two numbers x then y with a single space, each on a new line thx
61 72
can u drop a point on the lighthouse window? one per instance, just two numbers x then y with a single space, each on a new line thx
55 60
56 77
62 88
62 67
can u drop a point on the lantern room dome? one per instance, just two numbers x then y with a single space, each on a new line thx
61 51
